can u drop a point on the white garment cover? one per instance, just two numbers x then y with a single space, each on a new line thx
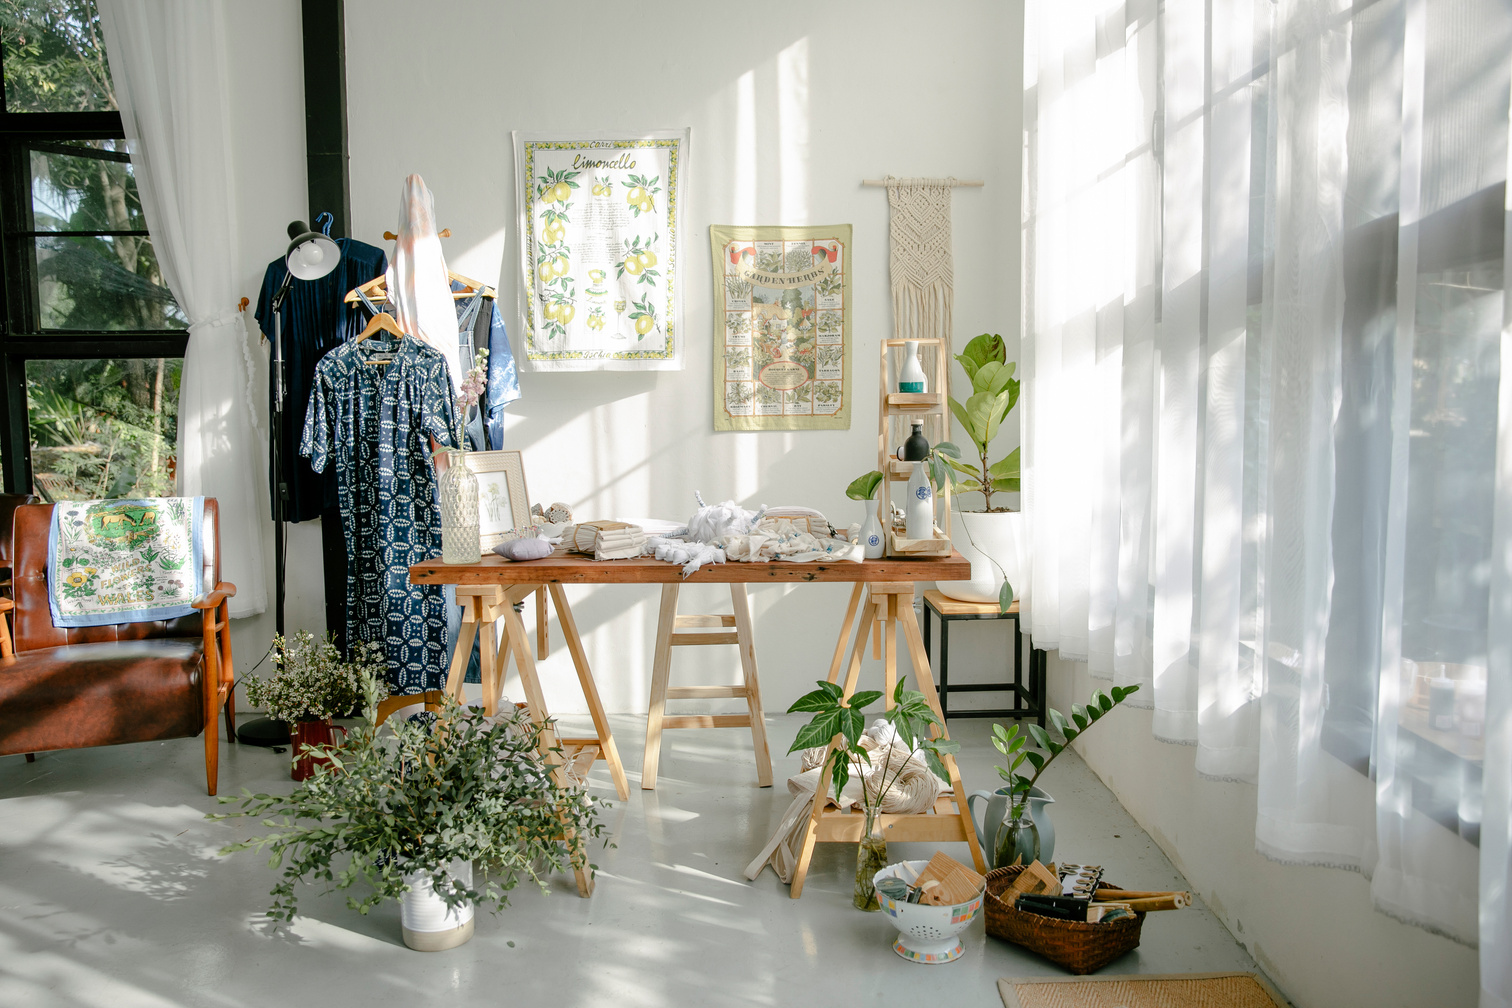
167 62
419 288
1263 445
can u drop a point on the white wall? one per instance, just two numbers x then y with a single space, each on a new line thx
791 107
1311 929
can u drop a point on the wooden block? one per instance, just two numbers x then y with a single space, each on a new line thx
1036 880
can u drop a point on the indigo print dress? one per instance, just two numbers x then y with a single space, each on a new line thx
372 422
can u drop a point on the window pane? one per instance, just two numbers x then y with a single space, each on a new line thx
82 193
103 428
103 284
54 57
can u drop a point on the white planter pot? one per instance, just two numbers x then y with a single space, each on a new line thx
429 925
984 538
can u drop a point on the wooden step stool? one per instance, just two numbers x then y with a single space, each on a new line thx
672 631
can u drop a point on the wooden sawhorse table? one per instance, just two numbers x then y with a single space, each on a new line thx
489 589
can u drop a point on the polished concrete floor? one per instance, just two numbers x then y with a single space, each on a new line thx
112 894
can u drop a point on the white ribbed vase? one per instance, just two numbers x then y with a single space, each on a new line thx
458 490
428 924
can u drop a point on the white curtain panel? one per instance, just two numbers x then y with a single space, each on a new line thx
1263 359
168 64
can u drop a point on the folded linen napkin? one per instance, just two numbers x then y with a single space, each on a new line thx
606 540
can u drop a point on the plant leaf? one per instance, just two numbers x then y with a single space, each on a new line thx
817 732
964 419
1005 596
818 700
1007 466
982 350
948 448
1036 757
1058 720
864 487
1040 736
864 699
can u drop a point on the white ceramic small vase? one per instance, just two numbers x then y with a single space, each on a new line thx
871 539
428 924
994 543
461 542
918 513
911 375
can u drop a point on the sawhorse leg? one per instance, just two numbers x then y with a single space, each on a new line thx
519 646
605 740
669 627
885 608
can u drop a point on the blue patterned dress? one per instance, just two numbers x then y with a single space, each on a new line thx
372 421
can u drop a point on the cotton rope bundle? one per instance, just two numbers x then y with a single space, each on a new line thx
911 787
913 792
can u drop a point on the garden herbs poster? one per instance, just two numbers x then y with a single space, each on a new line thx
781 327
599 239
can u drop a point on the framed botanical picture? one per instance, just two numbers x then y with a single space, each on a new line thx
503 504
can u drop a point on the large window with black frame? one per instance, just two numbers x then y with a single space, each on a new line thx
92 342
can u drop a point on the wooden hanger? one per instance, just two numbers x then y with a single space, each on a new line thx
390 236
382 322
377 289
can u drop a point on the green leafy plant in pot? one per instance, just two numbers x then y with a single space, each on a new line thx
1015 837
841 721
411 808
992 537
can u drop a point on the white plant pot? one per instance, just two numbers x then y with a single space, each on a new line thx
429 925
982 539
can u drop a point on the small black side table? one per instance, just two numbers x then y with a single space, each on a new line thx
1028 698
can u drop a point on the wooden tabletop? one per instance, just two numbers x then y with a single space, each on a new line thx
563 568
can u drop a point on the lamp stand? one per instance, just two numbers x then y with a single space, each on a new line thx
265 731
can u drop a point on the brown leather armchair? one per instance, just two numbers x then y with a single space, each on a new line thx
130 682
8 505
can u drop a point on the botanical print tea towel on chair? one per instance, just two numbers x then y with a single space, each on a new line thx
124 561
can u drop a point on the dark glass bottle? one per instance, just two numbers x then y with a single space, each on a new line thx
916 448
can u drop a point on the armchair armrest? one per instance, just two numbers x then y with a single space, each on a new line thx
210 600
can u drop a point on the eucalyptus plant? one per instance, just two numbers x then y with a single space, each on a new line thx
994 392
1013 743
416 796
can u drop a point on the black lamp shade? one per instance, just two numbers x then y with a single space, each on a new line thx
311 254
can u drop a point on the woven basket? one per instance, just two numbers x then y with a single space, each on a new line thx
1075 946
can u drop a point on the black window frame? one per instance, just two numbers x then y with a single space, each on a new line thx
22 337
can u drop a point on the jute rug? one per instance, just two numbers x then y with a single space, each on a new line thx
1173 990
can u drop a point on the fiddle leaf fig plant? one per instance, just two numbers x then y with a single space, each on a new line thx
994 392
1013 743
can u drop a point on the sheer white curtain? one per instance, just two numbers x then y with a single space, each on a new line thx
1262 358
167 62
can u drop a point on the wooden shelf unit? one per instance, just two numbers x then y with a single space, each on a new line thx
895 411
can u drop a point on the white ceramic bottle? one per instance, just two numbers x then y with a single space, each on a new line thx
870 536
911 377
918 513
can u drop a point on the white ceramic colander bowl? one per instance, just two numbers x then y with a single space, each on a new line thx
927 934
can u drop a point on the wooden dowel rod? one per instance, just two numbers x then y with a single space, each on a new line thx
973 183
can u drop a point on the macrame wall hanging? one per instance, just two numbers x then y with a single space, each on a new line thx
921 268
